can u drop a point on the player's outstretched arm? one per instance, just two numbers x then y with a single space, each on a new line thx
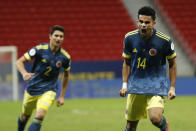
125 76
20 66
172 75
65 81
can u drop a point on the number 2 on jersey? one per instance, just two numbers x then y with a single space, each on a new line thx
48 70
141 63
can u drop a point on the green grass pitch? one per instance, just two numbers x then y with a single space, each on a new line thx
101 115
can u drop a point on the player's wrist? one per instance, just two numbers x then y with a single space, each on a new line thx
24 74
124 85
172 88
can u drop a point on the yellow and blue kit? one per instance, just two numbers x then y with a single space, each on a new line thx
46 67
148 62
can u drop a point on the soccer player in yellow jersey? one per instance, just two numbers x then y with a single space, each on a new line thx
40 94
144 72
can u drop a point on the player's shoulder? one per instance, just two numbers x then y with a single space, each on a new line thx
162 36
132 33
43 46
65 53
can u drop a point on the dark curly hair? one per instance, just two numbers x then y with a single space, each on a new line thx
146 10
56 27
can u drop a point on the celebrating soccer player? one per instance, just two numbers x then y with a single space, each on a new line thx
42 80
144 72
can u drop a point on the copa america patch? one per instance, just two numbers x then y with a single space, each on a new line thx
32 52
152 52
58 64
172 46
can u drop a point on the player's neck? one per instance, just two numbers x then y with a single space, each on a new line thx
148 36
54 49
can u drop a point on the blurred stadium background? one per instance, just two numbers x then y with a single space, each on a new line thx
94 38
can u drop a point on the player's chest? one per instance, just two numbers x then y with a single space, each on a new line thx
54 61
147 49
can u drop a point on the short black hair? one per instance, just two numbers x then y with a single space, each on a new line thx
146 10
56 27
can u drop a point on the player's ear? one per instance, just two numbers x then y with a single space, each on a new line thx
154 22
137 23
50 36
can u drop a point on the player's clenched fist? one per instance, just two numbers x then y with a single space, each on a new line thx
123 92
171 93
60 101
27 76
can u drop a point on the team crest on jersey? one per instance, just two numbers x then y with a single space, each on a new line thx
153 52
58 64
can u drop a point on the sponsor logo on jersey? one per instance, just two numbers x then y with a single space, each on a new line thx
135 50
44 60
152 52
58 64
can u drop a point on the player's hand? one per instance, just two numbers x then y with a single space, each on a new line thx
60 102
123 92
27 76
171 93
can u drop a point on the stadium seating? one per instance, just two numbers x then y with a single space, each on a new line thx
94 28
181 17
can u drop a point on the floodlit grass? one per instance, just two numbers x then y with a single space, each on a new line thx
101 115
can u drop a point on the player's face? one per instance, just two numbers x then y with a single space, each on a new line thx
56 39
145 25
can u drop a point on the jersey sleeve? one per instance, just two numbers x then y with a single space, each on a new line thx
66 60
67 65
127 48
170 50
30 54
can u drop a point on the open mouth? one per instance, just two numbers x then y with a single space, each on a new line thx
144 30
58 42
